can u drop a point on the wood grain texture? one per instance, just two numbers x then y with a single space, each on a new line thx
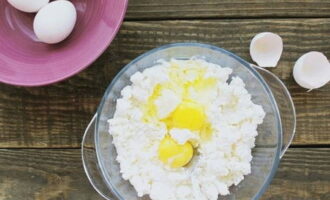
56 116
303 174
174 9
43 175
58 174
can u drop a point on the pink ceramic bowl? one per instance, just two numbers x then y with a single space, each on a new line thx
25 61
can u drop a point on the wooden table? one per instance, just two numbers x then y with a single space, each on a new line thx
41 128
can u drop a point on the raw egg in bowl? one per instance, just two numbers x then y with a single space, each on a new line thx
100 152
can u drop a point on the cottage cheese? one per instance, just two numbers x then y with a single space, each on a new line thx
219 161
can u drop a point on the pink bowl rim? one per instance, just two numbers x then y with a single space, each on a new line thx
79 69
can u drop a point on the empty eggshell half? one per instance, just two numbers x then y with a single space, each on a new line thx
29 6
312 70
266 49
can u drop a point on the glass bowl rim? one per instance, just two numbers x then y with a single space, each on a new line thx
276 159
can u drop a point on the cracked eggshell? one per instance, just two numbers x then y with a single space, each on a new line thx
266 49
29 6
312 70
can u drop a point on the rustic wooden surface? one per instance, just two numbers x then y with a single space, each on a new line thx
58 174
41 128
56 116
176 9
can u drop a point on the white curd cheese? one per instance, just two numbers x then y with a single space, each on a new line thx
218 162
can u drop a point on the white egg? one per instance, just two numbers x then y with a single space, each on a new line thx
29 6
54 22
266 49
312 70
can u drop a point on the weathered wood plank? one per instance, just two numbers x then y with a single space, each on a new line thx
303 174
58 174
174 9
43 175
55 116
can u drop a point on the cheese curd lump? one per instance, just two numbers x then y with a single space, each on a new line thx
183 130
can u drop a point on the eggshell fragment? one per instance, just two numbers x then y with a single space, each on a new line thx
29 6
266 49
312 70
55 21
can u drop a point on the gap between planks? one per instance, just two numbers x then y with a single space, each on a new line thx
222 18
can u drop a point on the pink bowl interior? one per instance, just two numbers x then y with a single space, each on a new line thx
26 61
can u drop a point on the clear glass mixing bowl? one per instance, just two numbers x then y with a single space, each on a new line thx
275 134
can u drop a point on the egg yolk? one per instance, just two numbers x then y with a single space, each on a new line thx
188 115
173 154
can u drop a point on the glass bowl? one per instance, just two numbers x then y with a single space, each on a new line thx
275 133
